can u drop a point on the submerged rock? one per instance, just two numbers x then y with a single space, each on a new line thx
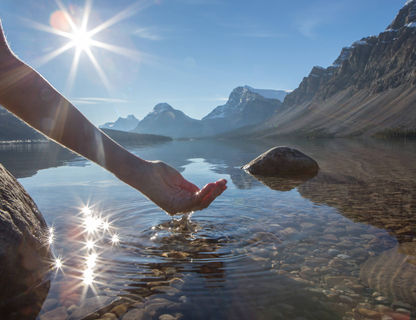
24 254
283 162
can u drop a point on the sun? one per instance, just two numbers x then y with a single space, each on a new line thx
80 38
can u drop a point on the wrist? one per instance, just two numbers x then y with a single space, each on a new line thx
133 170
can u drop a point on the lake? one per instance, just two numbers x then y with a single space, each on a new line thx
339 246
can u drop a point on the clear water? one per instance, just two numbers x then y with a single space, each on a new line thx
339 246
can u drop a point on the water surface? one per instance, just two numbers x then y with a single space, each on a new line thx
339 246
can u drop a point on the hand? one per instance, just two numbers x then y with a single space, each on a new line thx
174 194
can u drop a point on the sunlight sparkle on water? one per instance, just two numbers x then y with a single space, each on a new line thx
106 225
58 263
92 224
88 276
90 244
91 260
87 211
115 239
51 235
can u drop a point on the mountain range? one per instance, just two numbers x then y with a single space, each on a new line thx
368 90
246 106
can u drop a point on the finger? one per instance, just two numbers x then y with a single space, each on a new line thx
205 191
220 188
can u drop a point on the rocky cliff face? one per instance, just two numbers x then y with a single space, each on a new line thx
243 108
369 88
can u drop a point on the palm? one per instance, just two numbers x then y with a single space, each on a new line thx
175 194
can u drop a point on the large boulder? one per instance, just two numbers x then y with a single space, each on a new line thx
283 162
24 253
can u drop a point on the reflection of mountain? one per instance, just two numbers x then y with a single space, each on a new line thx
226 156
25 160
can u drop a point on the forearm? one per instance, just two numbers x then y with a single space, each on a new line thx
29 96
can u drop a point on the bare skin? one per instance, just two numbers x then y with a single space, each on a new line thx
29 96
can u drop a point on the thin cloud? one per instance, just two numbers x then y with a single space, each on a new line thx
260 35
97 100
148 34
309 20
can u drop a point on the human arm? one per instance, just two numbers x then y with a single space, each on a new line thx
29 96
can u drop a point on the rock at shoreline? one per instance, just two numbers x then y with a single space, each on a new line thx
283 162
24 254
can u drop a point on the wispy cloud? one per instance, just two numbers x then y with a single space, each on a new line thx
260 34
311 18
148 34
200 2
307 26
97 100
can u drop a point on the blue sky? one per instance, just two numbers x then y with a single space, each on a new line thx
189 53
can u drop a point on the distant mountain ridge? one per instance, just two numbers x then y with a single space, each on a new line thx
123 124
244 107
165 120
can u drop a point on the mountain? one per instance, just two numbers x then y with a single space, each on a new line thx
122 124
270 93
369 89
245 107
12 128
165 120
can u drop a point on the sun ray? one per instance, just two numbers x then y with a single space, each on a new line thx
132 54
73 71
124 14
46 28
80 38
52 55
86 15
97 67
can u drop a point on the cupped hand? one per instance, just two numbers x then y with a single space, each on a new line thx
174 194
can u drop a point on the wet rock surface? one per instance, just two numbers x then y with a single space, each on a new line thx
24 253
283 162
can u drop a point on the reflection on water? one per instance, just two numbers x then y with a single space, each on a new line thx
338 246
25 159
